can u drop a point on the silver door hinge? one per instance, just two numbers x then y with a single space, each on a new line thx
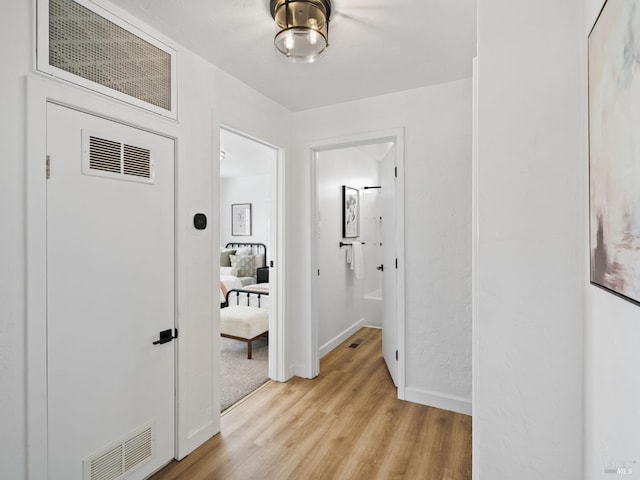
48 167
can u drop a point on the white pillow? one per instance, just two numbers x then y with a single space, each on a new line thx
224 256
244 251
245 264
229 271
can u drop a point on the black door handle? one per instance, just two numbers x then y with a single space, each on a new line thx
165 337
381 268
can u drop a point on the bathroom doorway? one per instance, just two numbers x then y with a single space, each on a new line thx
358 272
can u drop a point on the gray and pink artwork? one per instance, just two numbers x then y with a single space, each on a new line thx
614 148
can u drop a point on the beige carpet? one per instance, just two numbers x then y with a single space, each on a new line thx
241 376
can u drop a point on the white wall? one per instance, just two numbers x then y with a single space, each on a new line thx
14 18
340 294
612 330
253 189
206 97
437 122
531 204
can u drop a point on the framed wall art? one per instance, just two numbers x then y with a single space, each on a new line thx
240 219
350 212
614 150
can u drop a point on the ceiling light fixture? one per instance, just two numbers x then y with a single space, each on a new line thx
304 28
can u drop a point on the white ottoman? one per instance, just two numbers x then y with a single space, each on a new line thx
244 323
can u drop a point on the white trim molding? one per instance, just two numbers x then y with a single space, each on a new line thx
278 357
439 400
341 337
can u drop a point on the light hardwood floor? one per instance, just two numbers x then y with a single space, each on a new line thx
345 424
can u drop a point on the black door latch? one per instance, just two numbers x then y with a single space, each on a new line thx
381 268
166 336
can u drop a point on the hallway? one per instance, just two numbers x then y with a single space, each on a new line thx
345 424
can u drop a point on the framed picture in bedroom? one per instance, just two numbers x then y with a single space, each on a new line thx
350 212
614 150
240 219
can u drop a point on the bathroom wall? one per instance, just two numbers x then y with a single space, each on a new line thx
340 294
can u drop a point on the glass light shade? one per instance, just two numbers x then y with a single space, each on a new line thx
304 28
300 44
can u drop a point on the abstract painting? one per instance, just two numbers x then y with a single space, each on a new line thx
350 212
614 149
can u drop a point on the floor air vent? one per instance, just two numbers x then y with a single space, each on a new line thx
356 343
115 159
117 460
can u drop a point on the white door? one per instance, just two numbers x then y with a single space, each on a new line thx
110 291
389 274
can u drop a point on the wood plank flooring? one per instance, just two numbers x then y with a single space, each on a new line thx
345 424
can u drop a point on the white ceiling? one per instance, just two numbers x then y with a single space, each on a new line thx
376 46
243 156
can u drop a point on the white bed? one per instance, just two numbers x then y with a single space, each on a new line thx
258 295
238 266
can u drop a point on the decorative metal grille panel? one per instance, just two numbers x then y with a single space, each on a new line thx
88 45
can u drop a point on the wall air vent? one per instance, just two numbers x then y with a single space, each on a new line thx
105 155
136 161
115 159
120 458
86 45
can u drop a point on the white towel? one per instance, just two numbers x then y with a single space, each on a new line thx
356 260
349 257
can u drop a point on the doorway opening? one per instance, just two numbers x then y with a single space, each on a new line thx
358 245
249 219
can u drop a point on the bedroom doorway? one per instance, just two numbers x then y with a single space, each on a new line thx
249 233
347 296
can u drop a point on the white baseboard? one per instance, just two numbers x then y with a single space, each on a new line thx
300 371
200 436
438 400
341 337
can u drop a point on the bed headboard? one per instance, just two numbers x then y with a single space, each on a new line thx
256 248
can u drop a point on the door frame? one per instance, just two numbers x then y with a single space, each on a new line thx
396 135
277 346
40 92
